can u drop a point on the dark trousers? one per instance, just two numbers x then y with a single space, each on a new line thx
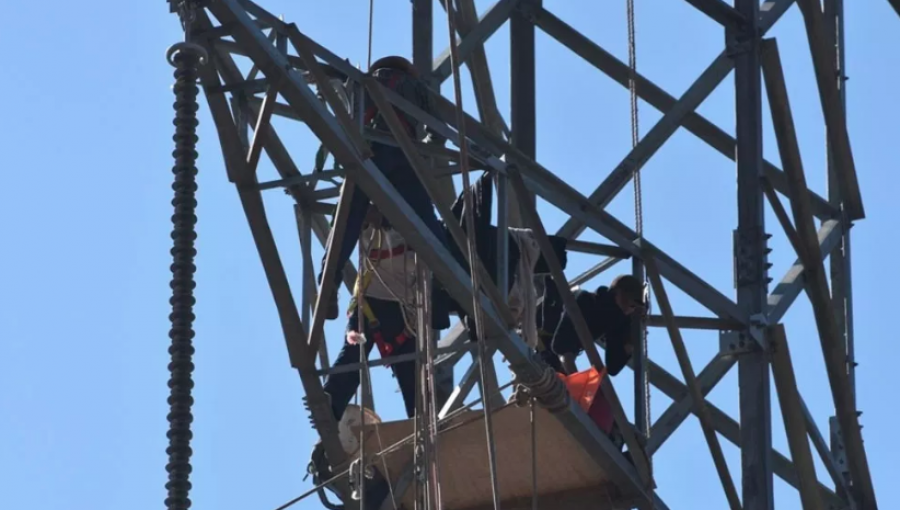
343 386
551 359
393 163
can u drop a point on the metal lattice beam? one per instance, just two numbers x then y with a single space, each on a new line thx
493 147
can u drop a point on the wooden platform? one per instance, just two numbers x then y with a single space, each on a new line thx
564 471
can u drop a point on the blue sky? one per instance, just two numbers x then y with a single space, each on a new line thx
84 300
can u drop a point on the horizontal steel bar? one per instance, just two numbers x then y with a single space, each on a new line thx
683 322
594 271
394 360
597 249
718 10
300 179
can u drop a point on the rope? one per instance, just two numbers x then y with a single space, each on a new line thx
363 373
534 491
638 192
365 370
473 254
635 133
186 58
371 31
431 402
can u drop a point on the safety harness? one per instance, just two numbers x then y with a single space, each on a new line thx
385 347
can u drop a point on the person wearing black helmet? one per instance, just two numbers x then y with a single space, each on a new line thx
397 74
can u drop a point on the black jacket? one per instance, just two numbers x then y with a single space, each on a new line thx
604 319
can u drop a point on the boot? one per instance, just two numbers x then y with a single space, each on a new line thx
333 310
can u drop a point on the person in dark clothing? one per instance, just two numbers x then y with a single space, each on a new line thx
397 340
399 75
608 312
388 284
524 260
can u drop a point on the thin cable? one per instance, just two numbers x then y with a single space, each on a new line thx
371 31
363 370
638 194
432 401
373 267
534 488
450 416
313 490
473 254
635 131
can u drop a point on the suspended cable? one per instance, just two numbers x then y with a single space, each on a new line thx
638 201
314 490
185 57
534 488
363 372
431 401
371 31
368 270
473 254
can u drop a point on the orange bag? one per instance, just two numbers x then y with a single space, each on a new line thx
584 387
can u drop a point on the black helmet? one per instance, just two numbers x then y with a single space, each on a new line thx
395 62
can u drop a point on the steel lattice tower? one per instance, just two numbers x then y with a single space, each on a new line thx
290 65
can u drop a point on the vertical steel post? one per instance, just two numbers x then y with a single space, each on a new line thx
523 125
423 54
841 289
423 35
751 260
840 265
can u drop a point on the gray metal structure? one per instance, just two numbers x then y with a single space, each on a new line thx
288 66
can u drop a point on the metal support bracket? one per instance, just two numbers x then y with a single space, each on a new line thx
837 448
747 270
528 9
757 330
734 343
745 341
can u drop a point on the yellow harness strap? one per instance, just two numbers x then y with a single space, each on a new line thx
360 294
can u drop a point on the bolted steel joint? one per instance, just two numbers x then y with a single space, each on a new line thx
750 257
